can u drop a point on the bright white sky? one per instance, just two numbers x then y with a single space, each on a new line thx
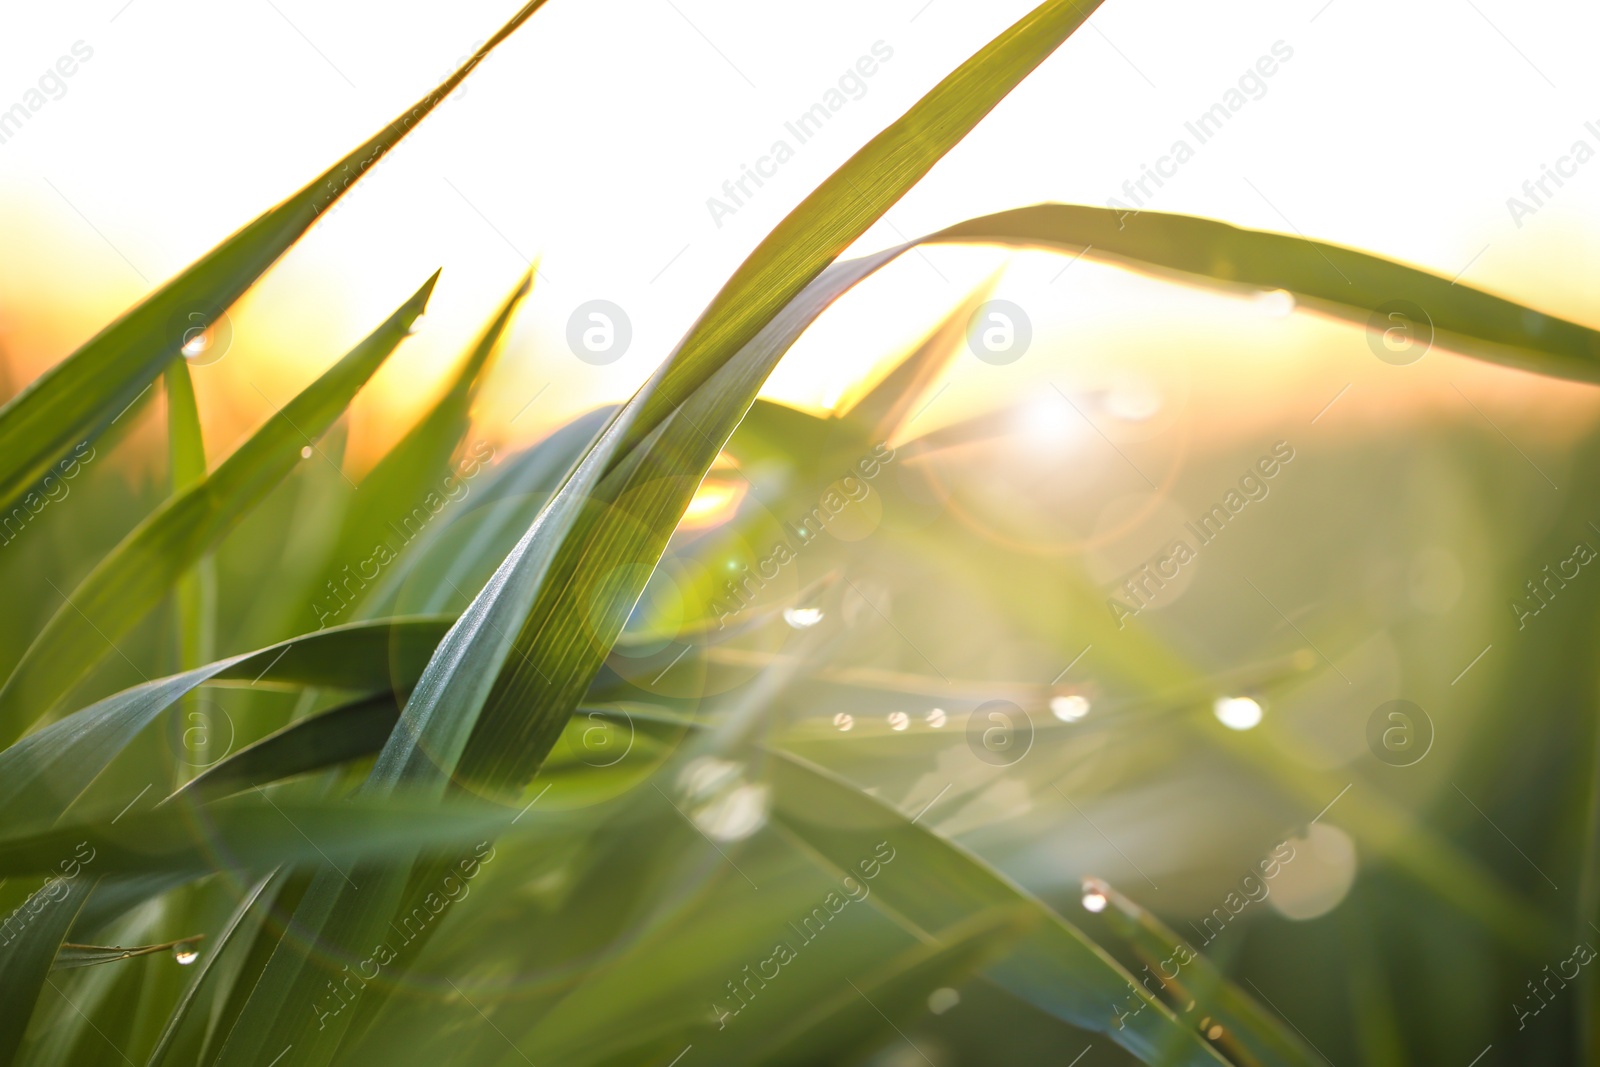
594 137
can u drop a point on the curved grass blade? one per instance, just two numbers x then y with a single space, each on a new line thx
850 200
41 775
326 739
252 832
1262 1035
396 500
196 592
1341 282
186 450
1058 970
847 1006
70 956
889 405
512 497
29 948
134 577
189 999
77 398
843 1026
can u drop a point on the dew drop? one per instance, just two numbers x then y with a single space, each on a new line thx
184 954
1237 713
943 999
416 325
1274 303
195 345
707 775
899 720
844 722
735 814
802 618
305 453
1069 708
937 718
1094 895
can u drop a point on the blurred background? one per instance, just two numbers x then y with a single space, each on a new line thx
1382 561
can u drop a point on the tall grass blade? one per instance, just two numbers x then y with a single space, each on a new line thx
1057 969
1341 282
76 399
134 577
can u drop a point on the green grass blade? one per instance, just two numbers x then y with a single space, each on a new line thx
1340 282
871 1007
76 399
1058 969
510 500
326 739
134 577
186 450
196 591
395 500
189 1000
886 406
249 832
41 775
1264 1037
839 210
38 928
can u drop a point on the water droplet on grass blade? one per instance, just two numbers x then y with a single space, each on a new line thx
1069 708
1237 713
1274 303
736 814
802 618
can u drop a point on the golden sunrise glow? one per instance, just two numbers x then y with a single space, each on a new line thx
113 187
